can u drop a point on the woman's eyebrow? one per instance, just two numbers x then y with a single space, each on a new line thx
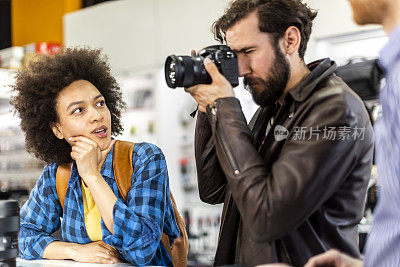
100 95
80 101
74 103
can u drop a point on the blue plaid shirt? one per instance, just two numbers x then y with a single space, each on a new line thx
138 223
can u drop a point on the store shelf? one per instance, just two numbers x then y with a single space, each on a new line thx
6 80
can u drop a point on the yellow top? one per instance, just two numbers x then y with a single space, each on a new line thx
92 214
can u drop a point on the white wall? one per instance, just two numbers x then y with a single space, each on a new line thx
334 18
138 35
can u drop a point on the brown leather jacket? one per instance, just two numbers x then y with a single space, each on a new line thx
285 201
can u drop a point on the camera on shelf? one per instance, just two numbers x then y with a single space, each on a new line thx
186 71
9 227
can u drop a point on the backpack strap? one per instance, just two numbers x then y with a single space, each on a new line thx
179 250
122 166
167 245
62 176
123 170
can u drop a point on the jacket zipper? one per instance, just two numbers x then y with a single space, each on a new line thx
225 146
229 155
286 251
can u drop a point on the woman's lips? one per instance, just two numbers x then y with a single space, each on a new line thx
100 132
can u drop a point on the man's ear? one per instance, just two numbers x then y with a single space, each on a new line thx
55 127
291 40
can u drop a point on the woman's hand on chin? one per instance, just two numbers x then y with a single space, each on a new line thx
88 156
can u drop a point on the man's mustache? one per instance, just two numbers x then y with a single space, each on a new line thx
251 81
248 81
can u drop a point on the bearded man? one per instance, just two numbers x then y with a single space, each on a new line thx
293 181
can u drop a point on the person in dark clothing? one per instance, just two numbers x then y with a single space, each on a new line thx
382 247
293 180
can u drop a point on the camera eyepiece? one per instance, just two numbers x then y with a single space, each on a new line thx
186 71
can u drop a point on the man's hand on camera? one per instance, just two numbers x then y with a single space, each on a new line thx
206 94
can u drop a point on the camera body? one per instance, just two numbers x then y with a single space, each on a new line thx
186 71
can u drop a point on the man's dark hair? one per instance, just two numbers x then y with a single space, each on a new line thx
38 85
275 16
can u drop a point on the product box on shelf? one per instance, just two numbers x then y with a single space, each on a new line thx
43 48
11 58
31 50
6 81
17 56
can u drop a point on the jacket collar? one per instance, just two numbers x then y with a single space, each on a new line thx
320 69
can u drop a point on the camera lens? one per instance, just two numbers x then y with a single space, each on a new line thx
9 227
185 71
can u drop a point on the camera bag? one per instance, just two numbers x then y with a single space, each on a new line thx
362 76
123 170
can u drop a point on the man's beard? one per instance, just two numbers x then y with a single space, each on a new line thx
266 92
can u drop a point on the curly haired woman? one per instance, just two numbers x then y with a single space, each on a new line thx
70 105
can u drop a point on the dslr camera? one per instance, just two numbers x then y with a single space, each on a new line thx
186 71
